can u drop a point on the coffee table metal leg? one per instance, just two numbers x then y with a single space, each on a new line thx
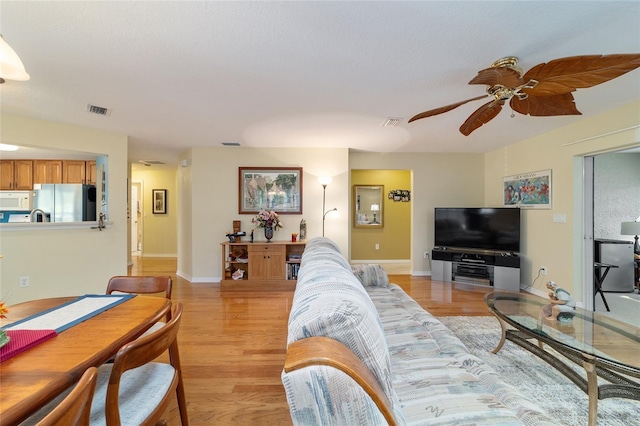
589 365
503 336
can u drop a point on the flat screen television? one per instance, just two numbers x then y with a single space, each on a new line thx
478 228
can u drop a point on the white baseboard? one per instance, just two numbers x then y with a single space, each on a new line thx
198 279
421 273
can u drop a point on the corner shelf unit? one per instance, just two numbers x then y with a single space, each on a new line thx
268 266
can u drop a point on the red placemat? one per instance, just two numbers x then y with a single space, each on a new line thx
22 340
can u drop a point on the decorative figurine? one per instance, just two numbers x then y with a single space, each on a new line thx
232 237
303 230
562 306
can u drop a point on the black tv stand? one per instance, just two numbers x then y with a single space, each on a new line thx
497 269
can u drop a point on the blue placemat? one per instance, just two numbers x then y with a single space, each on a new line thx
71 313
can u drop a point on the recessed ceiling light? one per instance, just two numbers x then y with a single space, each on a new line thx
6 147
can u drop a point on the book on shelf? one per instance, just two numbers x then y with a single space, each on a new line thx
292 271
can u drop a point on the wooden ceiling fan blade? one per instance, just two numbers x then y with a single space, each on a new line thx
443 109
565 75
507 77
482 115
544 106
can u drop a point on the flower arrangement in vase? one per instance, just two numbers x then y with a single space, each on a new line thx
269 220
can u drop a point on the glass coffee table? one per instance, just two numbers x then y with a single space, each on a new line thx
606 348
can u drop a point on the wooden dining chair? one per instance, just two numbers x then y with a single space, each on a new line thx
75 408
142 285
141 396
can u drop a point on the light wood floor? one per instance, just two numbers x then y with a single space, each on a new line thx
232 344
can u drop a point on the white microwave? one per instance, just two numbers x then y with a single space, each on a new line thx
15 200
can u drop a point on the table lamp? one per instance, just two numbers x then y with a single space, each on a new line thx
375 208
631 228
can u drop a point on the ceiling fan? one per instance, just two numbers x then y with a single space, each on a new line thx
544 90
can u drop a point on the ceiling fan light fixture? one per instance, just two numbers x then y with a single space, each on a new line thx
543 91
508 62
11 67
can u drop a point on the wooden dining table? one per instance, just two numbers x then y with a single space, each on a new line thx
31 379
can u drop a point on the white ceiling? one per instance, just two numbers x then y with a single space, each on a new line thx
300 74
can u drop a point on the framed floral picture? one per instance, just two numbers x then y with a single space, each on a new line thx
270 188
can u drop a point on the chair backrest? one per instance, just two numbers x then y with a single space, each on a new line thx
142 351
140 285
75 409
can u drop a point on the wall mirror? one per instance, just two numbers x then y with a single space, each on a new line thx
368 205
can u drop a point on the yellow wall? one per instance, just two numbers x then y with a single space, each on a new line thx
70 260
395 237
159 231
559 246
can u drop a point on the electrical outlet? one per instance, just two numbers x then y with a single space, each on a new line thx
377 246
543 270
426 254
24 282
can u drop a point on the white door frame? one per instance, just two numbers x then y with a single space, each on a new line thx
587 241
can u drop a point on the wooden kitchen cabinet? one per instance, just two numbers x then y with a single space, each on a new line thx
268 266
90 167
16 175
47 171
74 171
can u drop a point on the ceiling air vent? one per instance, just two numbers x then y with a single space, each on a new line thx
94 109
231 143
151 162
391 122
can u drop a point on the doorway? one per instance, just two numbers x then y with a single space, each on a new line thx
136 219
611 196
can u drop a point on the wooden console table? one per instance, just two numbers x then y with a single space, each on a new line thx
271 266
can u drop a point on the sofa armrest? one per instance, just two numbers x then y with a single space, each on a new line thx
325 351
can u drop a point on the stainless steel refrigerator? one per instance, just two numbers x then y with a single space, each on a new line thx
66 202
619 253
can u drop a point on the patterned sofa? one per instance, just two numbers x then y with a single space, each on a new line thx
362 352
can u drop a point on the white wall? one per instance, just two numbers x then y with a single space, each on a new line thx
439 180
559 246
66 262
209 185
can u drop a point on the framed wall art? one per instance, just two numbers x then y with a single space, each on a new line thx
270 188
527 190
159 201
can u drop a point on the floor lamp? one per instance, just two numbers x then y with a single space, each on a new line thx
324 181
